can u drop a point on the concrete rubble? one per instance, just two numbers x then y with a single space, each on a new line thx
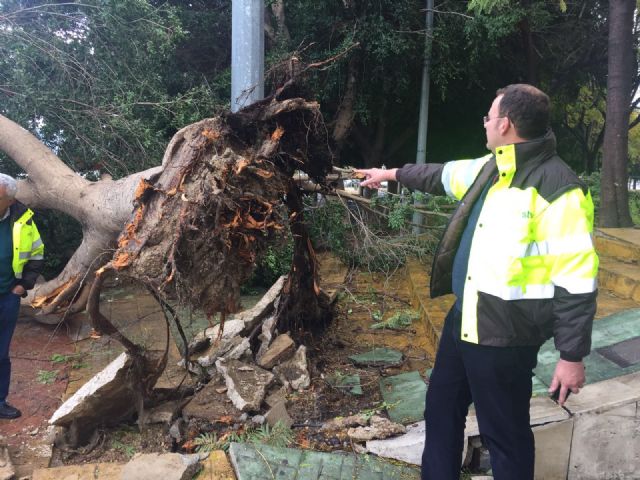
166 466
378 428
246 383
294 372
281 349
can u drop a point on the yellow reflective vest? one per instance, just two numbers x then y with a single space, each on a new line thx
532 264
28 249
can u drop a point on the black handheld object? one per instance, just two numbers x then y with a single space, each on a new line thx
555 395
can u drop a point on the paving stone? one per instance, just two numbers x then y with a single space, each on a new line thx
553 447
602 396
406 394
262 462
281 349
246 383
378 357
216 467
165 466
210 405
95 471
544 410
294 372
605 446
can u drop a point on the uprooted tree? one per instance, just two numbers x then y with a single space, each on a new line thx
191 229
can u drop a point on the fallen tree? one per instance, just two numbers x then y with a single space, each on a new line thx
200 220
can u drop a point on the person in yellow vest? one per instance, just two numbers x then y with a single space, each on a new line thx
21 260
518 254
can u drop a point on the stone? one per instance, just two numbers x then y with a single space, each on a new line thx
210 405
263 462
167 466
378 428
543 410
7 471
294 372
605 445
281 349
378 357
258 419
602 396
278 413
176 431
405 393
246 384
216 467
553 447
93 471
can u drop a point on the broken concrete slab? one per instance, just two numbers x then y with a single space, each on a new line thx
211 404
605 445
263 462
378 428
602 396
167 466
406 448
275 396
230 329
294 372
340 423
264 307
553 447
266 336
219 349
7 471
246 384
544 410
216 466
378 357
94 471
405 395
279 413
105 385
281 349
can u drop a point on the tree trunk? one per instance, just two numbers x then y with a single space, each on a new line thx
614 207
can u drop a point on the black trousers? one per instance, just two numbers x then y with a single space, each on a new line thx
498 381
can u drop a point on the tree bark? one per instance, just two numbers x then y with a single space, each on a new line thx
614 207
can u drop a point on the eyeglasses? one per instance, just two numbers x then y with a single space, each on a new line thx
486 118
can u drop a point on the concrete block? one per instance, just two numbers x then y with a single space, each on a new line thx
605 445
553 447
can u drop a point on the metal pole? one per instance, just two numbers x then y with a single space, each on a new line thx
421 155
247 53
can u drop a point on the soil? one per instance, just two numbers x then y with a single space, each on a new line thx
363 299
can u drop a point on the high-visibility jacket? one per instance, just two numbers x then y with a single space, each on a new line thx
28 249
532 264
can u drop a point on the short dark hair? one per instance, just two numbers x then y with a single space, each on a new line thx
527 107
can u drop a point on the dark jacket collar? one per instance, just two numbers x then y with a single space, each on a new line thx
510 158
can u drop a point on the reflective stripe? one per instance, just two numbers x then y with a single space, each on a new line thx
18 274
24 255
37 257
519 293
573 285
457 176
559 246
36 244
